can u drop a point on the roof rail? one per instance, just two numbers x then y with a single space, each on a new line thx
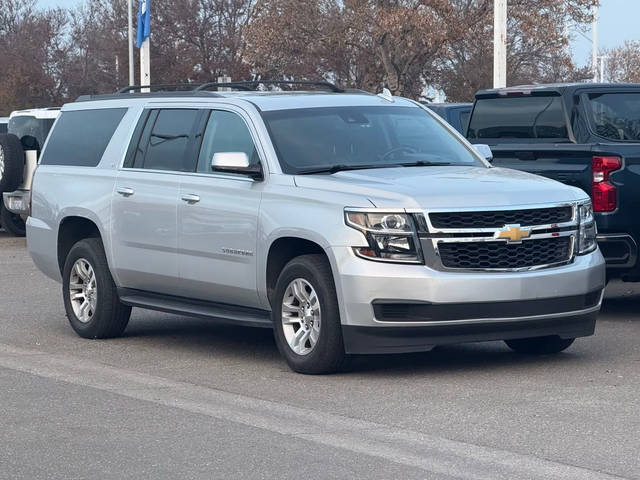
253 85
161 87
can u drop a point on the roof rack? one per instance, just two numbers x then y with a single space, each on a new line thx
253 85
160 87
244 85
203 89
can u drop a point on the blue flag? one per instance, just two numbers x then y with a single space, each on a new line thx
144 23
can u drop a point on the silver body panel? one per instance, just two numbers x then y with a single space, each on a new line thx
216 248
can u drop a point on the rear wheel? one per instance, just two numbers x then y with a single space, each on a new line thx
306 317
11 222
11 162
540 345
90 296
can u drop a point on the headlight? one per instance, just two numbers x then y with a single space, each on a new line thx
391 237
587 232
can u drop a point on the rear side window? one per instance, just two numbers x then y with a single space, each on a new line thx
166 140
464 120
518 117
616 116
81 137
31 131
3 127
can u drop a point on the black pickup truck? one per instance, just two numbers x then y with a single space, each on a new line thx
582 134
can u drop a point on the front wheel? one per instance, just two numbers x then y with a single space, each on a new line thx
306 317
540 345
90 296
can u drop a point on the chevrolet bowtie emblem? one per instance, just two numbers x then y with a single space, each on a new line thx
512 233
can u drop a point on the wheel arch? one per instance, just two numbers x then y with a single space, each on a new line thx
71 230
283 249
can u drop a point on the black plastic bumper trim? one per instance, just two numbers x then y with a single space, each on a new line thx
426 312
396 339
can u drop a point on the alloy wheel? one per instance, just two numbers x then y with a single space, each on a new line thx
301 316
83 291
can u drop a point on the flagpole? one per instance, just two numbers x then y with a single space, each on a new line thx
132 78
145 56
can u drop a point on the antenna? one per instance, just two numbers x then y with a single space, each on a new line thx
386 95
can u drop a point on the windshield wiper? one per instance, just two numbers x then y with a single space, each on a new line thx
424 163
341 168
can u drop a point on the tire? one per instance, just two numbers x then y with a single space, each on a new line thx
540 345
105 316
313 274
12 222
11 162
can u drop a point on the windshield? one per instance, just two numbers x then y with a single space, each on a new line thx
346 138
518 117
616 116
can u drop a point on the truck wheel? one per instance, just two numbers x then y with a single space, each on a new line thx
540 345
90 296
11 162
12 222
306 317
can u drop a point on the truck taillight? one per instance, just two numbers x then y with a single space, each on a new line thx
604 193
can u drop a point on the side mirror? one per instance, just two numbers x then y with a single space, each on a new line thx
236 162
484 151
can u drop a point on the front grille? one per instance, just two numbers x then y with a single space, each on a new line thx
502 255
498 219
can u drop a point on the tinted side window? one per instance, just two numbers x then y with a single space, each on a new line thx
81 137
3 127
31 131
616 116
169 139
518 117
464 120
225 132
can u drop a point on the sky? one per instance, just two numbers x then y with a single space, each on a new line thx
619 20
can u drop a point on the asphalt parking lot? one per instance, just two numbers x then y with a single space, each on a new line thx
187 398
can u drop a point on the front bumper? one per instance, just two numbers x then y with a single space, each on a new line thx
486 305
365 340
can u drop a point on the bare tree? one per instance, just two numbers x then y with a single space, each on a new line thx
623 63
32 53
537 50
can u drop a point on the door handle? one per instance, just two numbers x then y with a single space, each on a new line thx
125 191
191 198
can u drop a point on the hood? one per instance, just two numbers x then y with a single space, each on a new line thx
443 187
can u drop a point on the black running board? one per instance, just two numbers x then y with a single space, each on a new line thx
237 315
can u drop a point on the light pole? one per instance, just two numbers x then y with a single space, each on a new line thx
499 43
132 78
145 54
594 40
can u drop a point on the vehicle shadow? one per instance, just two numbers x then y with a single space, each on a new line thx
203 338
622 301
195 338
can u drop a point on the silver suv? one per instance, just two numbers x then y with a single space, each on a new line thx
350 223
